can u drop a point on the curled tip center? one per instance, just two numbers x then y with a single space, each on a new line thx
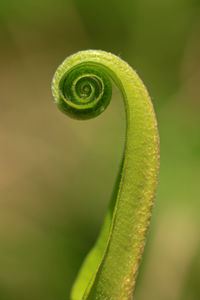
84 90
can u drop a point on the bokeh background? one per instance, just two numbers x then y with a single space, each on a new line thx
57 174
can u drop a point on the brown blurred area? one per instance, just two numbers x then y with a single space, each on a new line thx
57 174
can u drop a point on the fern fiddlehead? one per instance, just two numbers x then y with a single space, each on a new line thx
82 89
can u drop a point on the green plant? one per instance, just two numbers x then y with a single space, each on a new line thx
82 89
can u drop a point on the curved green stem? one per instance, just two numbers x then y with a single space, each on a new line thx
82 89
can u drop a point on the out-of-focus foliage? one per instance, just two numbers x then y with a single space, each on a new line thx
47 224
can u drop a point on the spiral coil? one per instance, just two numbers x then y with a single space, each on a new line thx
84 91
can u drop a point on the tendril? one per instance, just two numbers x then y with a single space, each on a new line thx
82 89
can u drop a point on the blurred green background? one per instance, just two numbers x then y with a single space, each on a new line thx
57 174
